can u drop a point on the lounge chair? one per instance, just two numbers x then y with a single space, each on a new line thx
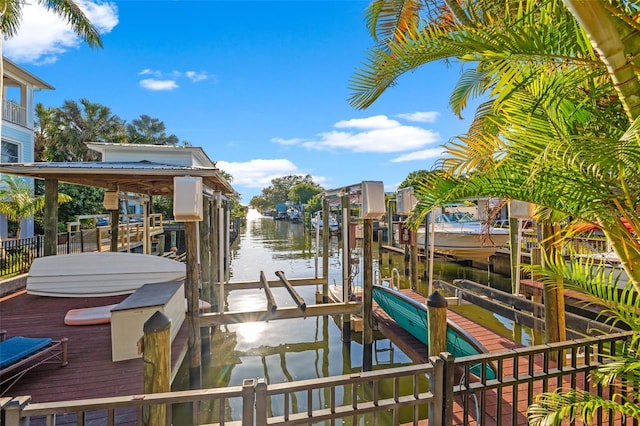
19 355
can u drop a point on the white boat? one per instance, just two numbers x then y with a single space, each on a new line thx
294 214
317 221
98 274
461 235
606 263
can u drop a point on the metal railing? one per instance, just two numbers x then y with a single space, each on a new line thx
16 255
524 373
445 390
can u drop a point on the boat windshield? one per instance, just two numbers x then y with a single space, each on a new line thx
456 217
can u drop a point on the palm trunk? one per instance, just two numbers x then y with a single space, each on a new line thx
553 295
606 38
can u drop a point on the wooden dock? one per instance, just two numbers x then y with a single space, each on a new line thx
90 372
417 350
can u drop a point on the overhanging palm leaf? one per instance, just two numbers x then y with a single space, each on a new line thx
539 33
68 10
570 404
619 369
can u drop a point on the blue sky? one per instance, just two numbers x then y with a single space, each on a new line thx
261 86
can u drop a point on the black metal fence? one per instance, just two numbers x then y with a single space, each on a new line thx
17 255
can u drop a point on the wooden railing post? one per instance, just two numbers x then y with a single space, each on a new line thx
50 217
435 387
248 401
367 295
413 259
437 322
98 239
448 381
13 409
193 297
157 363
261 402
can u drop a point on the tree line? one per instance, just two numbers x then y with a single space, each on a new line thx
61 134
297 189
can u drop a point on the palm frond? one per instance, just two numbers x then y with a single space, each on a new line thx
571 404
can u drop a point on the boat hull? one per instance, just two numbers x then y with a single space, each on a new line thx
608 265
466 245
412 317
99 274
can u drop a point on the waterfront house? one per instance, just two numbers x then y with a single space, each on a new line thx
18 118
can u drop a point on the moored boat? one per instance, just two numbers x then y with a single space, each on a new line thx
607 265
412 317
461 235
99 274
318 222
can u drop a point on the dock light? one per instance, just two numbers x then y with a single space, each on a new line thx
187 199
520 209
373 206
405 201
111 200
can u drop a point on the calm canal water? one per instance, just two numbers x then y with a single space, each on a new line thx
297 349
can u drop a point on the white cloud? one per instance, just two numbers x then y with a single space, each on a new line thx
293 141
421 117
258 173
196 76
162 81
43 35
375 122
378 134
157 85
149 71
425 154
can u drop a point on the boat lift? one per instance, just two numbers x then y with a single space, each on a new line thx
273 312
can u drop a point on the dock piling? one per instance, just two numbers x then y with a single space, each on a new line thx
437 323
157 363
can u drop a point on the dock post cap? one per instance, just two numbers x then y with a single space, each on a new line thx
436 300
157 322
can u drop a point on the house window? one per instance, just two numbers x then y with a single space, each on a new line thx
10 152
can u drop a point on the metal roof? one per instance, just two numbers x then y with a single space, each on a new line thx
148 150
140 177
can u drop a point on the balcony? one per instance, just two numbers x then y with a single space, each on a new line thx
15 113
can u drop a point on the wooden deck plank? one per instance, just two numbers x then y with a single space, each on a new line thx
90 373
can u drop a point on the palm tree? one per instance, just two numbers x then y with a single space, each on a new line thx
11 16
559 128
63 132
514 52
18 202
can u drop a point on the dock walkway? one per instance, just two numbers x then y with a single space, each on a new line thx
90 373
417 351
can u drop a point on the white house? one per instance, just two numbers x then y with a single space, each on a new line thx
18 117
